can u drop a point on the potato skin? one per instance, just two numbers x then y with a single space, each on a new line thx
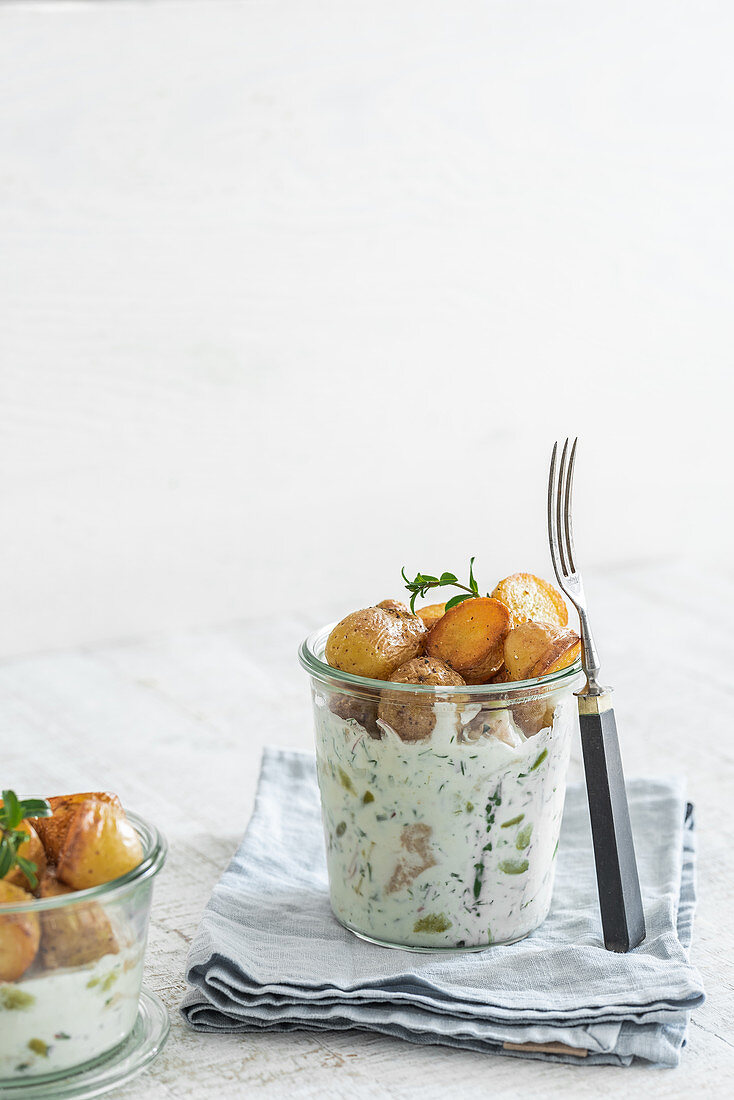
395 605
415 720
20 934
363 711
76 934
100 845
52 830
374 642
537 649
533 717
31 849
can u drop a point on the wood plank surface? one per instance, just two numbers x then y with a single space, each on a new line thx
176 724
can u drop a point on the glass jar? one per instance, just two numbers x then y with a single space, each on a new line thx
441 806
79 998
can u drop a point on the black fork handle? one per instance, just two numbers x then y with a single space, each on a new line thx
620 901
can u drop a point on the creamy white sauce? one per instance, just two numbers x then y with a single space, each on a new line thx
447 842
62 1018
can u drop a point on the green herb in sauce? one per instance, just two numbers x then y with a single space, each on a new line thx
38 1047
368 797
512 821
341 828
523 838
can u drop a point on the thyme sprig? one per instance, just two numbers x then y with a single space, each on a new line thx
12 812
422 584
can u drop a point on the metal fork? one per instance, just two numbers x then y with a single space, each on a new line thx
620 901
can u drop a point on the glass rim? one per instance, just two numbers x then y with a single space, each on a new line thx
326 674
155 849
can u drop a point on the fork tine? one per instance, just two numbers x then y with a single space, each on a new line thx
567 512
552 525
560 509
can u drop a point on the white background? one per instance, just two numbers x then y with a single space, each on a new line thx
294 293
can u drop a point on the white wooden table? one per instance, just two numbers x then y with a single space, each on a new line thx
176 725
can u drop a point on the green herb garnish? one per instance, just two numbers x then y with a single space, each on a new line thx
422 584
12 812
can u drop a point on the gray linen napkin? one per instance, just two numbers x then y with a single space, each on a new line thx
269 954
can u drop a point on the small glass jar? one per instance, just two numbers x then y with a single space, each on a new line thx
79 998
441 806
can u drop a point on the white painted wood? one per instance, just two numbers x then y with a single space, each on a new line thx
267 265
176 723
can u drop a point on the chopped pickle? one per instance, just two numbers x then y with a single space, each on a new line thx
514 866
11 997
539 761
434 922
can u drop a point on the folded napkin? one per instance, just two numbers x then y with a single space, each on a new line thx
269 954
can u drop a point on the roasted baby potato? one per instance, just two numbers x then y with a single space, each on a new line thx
76 934
52 830
100 844
395 605
413 719
363 711
470 638
565 650
431 613
20 934
533 717
375 641
31 849
529 597
537 649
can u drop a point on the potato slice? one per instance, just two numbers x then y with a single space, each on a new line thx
414 719
20 934
528 597
470 638
431 613
52 830
100 844
31 849
537 649
375 641
74 935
